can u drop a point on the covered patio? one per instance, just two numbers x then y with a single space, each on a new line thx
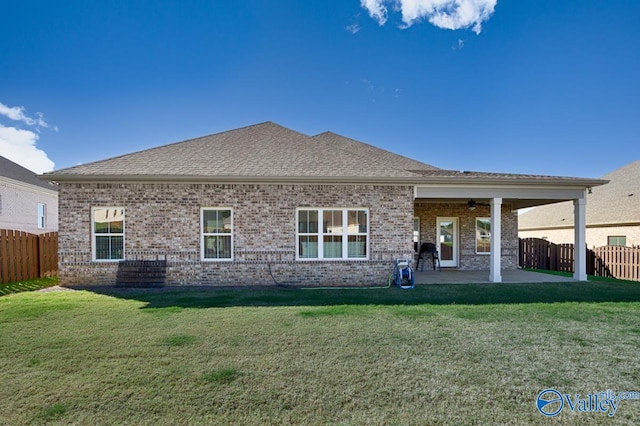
457 276
472 219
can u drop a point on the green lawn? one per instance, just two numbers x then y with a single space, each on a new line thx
440 354
28 285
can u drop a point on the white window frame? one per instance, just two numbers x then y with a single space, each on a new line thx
488 219
214 234
345 234
617 237
42 218
110 234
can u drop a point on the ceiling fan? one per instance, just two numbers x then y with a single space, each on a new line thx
472 204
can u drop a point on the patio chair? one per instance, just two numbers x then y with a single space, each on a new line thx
428 250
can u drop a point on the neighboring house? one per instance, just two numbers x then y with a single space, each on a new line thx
613 214
265 204
27 203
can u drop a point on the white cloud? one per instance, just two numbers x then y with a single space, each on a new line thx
377 10
19 145
447 14
18 114
353 28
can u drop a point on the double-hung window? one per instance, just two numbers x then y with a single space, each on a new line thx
217 234
332 233
107 233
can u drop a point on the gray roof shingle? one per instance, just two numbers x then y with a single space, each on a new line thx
616 202
270 152
16 172
361 149
262 150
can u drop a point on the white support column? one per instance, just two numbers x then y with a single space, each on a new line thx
580 238
495 274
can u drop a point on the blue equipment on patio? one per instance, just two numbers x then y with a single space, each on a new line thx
403 274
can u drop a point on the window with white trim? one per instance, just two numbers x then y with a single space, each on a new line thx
42 216
332 233
216 226
617 240
483 235
107 228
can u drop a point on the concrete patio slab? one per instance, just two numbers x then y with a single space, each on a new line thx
456 276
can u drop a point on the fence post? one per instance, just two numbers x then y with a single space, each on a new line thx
41 254
4 256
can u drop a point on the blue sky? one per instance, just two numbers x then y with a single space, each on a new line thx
527 86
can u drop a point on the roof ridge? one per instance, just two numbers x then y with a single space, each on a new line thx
264 151
370 146
170 144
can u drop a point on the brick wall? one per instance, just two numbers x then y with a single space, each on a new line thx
468 259
162 221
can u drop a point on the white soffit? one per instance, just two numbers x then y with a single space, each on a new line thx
511 192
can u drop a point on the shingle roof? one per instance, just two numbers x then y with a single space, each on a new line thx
14 171
616 202
262 150
361 149
467 174
270 152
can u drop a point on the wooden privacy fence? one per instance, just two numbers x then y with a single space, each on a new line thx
618 262
607 261
25 256
541 254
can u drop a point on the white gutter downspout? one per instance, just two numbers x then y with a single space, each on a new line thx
580 239
495 275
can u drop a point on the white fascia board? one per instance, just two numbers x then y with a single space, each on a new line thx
524 192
